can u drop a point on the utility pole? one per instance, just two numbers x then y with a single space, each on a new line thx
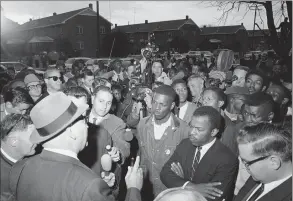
98 30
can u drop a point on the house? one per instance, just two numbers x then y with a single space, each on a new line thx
74 33
230 37
258 39
165 32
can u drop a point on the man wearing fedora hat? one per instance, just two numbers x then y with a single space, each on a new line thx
57 174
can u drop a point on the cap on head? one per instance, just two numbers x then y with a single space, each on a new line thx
237 90
31 78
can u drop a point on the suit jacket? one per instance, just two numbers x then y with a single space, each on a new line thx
189 112
6 165
219 164
51 176
155 153
44 95
283 192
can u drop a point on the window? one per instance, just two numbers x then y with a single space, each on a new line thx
79 29
102 30
170 34
61 30
194 33
183 33
80 45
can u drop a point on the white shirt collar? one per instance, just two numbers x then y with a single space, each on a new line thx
232 117
206 147
8 157
183 110
63 152
159 130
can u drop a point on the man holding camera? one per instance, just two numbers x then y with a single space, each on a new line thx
158 135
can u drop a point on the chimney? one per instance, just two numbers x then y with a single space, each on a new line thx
31 19
187 17
115 25
91 6
146 21
241 24
204 26
54 14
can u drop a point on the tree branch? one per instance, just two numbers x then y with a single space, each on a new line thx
254 2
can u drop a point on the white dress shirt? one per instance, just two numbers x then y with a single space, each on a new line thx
203 151
8 157
98 119
183 110
63 152
268 187
159 130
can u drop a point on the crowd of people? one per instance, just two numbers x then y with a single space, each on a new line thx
155 130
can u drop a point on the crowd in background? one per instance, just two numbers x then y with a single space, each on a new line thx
200 133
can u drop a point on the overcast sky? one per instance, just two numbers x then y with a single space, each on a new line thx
124 12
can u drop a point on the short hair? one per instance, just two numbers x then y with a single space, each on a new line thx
13 123
102 88
77 92
260 99
166 90
214 116
194 77
178 81
284 90
87 72
117 87
267 139
17 96
219 92
49 70
71 82
244 68
260 74
157 83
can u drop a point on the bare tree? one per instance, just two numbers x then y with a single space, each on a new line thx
283 9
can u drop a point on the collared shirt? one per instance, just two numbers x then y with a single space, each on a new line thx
203 151
183 110
7 156
159 130
268 187
88 89
63 152
233 117
98 118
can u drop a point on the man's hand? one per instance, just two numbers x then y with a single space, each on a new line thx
207 190
177 169
115 154
110 179
137 106
134 176
148 99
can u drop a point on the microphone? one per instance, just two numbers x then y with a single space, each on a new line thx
106 163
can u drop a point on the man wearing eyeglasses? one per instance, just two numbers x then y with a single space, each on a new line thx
266 152
34 86
53 80
257 108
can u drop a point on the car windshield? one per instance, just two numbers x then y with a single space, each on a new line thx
70 61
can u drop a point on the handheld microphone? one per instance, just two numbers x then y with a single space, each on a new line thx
106 163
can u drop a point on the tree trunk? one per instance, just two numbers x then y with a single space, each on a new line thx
274 40
289 10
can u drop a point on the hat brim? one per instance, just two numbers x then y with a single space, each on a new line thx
37 138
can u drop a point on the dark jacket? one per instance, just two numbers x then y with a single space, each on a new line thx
155 153
51 176
6 165
219 164
283 192
44 95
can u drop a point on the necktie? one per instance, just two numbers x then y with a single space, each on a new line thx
178 112
195 162
257 193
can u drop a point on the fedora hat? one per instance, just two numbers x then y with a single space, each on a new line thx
52 115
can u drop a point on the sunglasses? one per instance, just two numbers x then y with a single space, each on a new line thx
55 78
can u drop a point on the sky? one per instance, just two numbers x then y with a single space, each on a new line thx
130 12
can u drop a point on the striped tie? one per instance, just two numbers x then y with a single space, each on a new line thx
257 193
195 162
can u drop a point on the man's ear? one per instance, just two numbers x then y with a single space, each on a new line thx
173 105
8 105
285 101
220 104
215 131
12 141
271 116
275 162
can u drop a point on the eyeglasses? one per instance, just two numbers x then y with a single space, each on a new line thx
31 87
249 163
55 78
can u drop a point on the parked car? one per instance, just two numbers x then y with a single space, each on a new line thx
94 62
17 66
70 61
194 53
